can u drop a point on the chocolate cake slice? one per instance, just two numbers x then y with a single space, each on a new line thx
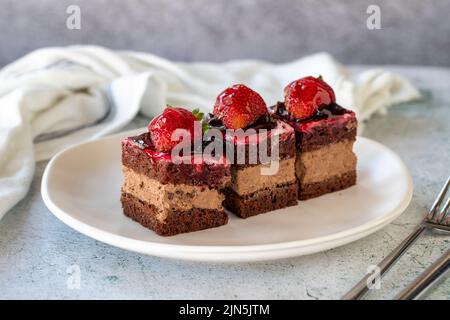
325 133
260 185
262 152
325 161
171 197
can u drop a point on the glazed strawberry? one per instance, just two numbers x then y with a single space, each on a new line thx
303 97
162 127
239 107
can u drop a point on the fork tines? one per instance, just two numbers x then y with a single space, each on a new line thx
439 213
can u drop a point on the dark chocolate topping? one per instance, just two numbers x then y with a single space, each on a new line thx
142 141
324 112
264 122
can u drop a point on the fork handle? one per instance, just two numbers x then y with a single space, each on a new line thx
431 274
360 289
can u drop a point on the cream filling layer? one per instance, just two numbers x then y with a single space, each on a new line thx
329 161
170 196
249 179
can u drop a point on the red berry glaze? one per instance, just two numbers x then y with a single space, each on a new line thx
162 127
239 107
303 97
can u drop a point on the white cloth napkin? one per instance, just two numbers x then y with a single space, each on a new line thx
55 97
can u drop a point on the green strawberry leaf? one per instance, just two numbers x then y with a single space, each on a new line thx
205 127
197 114
200 117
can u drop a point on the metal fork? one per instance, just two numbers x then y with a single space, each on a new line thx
427 279
438 218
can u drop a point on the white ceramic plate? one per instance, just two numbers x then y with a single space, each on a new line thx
81 186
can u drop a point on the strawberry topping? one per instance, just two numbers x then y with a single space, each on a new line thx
305 96
162 127
239 106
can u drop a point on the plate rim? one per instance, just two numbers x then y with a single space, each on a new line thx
258 252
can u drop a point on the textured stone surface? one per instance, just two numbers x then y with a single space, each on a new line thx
36 249
413 31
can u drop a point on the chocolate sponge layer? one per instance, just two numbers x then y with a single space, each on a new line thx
176 221
336 183
265 200
211 175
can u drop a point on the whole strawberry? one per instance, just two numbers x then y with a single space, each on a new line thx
303 97
162 127
239 107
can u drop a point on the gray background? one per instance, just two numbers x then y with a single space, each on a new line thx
413 31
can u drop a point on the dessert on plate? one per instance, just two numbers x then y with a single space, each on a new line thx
299 149
325 133
167 196
261 150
